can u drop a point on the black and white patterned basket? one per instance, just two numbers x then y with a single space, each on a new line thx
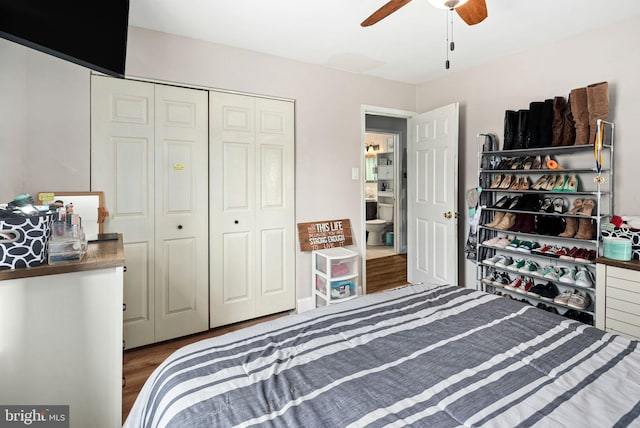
25 240
609 230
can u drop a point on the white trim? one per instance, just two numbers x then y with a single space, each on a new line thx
378 111
305 304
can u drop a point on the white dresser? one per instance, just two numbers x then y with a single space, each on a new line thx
61 336
618 297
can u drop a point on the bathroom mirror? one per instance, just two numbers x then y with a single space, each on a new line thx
370 170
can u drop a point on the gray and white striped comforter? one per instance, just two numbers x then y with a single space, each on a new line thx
427 356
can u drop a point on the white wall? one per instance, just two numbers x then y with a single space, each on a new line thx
54 131
608 54
13 117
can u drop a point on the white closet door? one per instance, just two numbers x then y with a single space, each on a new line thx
181 216
275 212
149 156
232 198
122 166
252 207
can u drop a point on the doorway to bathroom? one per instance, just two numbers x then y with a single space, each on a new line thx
385 198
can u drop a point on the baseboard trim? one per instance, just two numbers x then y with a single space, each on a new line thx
305 304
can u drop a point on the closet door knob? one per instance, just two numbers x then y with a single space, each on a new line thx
179 227
236 222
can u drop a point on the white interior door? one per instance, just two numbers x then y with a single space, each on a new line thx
432 187
181 211
149 156
122 166
252 213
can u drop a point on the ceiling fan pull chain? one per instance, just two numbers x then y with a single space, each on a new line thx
449 44
452 45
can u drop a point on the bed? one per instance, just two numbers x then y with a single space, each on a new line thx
421 355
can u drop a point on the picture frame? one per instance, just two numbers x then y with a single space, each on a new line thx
87 204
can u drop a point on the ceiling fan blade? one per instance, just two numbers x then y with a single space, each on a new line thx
473 11
386 10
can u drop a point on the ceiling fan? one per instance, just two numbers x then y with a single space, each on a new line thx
471 11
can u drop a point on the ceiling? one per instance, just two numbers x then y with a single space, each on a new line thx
407 46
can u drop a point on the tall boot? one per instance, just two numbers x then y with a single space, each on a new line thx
546 124
586 229
510 129
598 106
522 139
580 112
569 129
535 119
557 125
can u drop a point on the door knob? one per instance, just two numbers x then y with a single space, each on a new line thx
179 227
448 215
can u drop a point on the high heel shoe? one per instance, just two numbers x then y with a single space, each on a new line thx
540 183
587 207
560 183
496 181
502 202
524 183
506 182
537 163
551 183
571 184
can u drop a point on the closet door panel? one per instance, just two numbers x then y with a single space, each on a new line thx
275 210
232 198
181 194
122 159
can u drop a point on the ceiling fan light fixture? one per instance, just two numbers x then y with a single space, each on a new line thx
447 4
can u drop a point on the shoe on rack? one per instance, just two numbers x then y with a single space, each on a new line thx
585 318
546 270
515 284
489 280
502 202
496 181
530 268
506 182
502 242
491 242
513 244
560 183
507 222
502 280
491 261
571 254
527 246
517 265
525 286
584 278
563 298
585 256
497 218
568 275
503 262
549 292
536 290
553 274
537 162
571 184
579 300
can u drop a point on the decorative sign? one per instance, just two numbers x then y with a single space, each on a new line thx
324 234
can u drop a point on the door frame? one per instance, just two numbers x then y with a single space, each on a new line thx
364 111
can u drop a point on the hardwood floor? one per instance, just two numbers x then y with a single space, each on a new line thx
385 273
382 274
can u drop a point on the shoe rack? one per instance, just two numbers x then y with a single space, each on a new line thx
542 208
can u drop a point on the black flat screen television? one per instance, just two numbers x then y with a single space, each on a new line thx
86 32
